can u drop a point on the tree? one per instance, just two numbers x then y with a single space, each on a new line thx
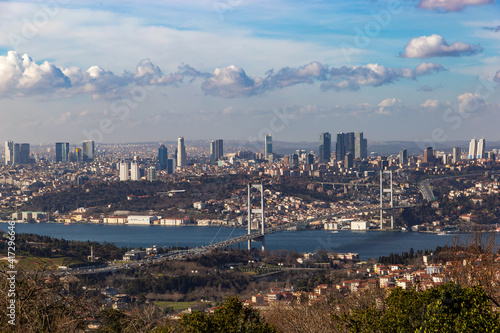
447 308
230 317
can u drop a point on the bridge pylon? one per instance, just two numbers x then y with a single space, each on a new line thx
386 190
256 211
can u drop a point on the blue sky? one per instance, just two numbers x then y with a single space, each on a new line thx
121 71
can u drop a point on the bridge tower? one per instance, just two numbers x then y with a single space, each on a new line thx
256 211
382 191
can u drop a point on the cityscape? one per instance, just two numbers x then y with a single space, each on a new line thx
250 166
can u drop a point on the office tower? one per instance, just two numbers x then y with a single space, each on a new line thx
88 150
360 146
294 161
162 157
25 153
218 149
213 153
349 160
403 157
346 144
151 175
9 152
171 165
268 145
481 147
492 156
78 154
457 154
428 155
472 149
181 152
62 151
340 147
16 154
325 147
135 173
123 171
309 159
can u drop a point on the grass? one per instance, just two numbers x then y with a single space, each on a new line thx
177 306
32 263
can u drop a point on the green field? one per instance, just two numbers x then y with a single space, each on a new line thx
34 263
177 306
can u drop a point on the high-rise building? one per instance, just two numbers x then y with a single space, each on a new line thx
481 147
16 154
135 172
349 160
171 165
24 153
325 147
309 159
216 150
151 175
88 150
181 152
294 161
403 157
457 154
9 152
123 171
429 155
268 145
162 157
360 146
346 144
472 149
62 151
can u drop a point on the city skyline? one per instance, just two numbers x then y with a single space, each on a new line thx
291 69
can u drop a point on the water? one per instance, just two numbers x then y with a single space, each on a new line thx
369 244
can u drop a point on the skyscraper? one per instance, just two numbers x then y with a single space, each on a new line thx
9 152
135 172
349 160
181 152
88 150
162 157
216 150
268 145
472 149
16 154
403 157
481 147
360 146
346 144
24 153
428 155
340 147
294 161
325 147
151 175
62 151
457 154
123 171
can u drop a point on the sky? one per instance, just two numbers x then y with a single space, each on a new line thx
127 71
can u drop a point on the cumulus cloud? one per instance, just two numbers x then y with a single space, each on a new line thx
19 75
436 46
452 5
389 105
471 103
430 104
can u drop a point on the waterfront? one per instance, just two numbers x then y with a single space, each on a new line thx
367 243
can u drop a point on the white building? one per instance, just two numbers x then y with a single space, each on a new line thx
139 219
135 173
481 146
360 225
472 149
123 171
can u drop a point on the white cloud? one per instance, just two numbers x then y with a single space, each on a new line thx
20 75
231 81
430 104
471 103
497 76
436 46
452 5
389 105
